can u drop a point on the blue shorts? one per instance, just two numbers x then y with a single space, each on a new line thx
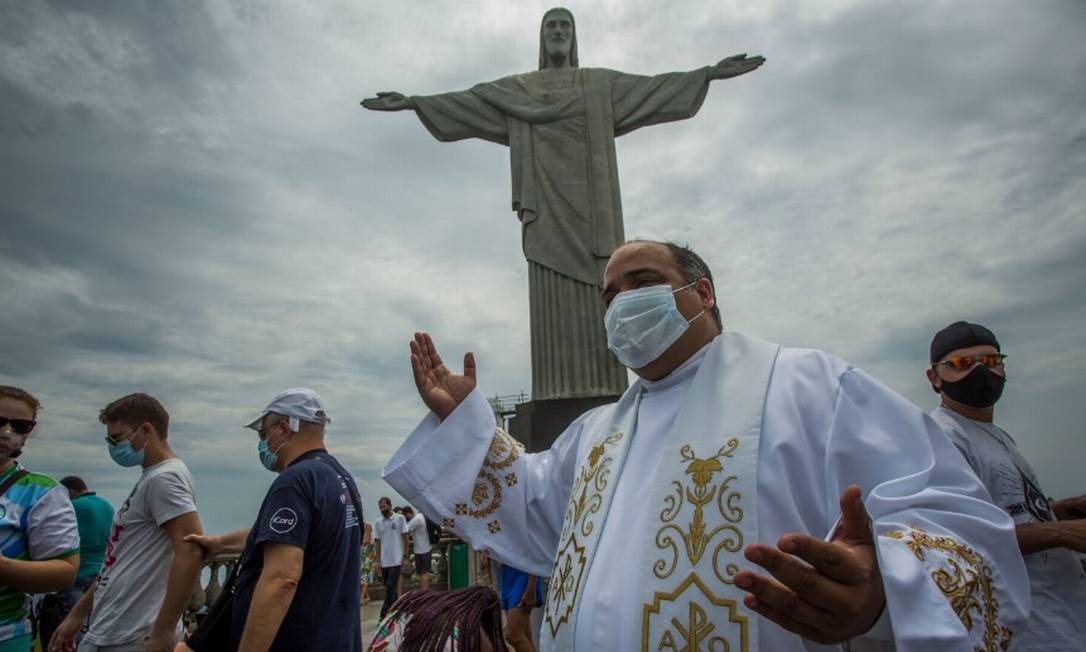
513 584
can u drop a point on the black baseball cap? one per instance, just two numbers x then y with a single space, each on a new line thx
960 335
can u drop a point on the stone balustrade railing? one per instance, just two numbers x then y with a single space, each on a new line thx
208 590
219 569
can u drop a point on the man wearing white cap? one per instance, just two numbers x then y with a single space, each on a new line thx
297 586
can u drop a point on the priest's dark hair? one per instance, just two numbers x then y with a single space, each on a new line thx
572 42
432 615
692 268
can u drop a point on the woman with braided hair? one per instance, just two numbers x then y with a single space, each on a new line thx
468 620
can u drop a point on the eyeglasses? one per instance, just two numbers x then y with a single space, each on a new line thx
18 426
113 440
967 362
265 430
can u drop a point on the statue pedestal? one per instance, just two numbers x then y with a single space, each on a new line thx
538 423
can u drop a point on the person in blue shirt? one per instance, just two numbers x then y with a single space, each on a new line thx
297 586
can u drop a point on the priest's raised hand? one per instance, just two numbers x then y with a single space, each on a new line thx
440 389
826 591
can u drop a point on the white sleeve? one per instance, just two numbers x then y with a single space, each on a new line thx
960 440
169 495
476 480
51 527
402 522
951 569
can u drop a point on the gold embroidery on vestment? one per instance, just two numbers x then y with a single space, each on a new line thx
569 564
696 632
503 451
968 588
700 492
486 496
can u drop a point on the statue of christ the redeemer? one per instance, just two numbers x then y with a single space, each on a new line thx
560 123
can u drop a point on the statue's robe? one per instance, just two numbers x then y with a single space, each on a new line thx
560 126
640 520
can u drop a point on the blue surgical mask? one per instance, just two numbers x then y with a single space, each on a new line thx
124 454
641 324
268 457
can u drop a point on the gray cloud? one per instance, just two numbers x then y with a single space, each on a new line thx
195 206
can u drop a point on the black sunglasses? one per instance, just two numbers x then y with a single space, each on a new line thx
20 426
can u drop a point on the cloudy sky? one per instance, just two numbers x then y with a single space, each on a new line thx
193 204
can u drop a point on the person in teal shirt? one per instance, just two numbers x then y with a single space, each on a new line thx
95 517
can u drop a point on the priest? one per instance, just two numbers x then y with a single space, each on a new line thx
739 496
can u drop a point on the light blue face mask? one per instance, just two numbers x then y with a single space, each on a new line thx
268 457
641 324
124 454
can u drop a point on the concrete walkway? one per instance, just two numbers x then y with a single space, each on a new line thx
371 615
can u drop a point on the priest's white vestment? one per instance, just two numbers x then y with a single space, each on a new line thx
661 528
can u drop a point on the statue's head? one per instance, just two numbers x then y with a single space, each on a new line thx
557 38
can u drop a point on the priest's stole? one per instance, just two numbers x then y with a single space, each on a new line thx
703 510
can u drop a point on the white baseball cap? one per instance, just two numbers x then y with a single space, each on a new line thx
298 403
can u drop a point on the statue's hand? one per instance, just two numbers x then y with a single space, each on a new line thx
440 389
388 101
740 64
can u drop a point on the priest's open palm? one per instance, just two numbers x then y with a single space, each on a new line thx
388 101
825 591
440 389
736 65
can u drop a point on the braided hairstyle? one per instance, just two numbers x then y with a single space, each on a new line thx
432 615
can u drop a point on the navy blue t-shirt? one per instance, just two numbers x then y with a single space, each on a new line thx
309 505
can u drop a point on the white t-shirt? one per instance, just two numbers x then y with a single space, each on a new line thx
390 531
139 554
1057 576
420 538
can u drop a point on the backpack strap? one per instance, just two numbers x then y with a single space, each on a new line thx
355 499
322 455
12 479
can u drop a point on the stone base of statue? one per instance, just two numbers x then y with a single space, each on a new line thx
538 423
570 358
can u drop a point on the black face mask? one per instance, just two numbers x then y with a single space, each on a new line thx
981 388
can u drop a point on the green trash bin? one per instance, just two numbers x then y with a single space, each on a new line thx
458 566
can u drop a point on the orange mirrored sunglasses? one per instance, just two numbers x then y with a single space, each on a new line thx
967 362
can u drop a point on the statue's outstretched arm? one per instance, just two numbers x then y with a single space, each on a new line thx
734 66
388 101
